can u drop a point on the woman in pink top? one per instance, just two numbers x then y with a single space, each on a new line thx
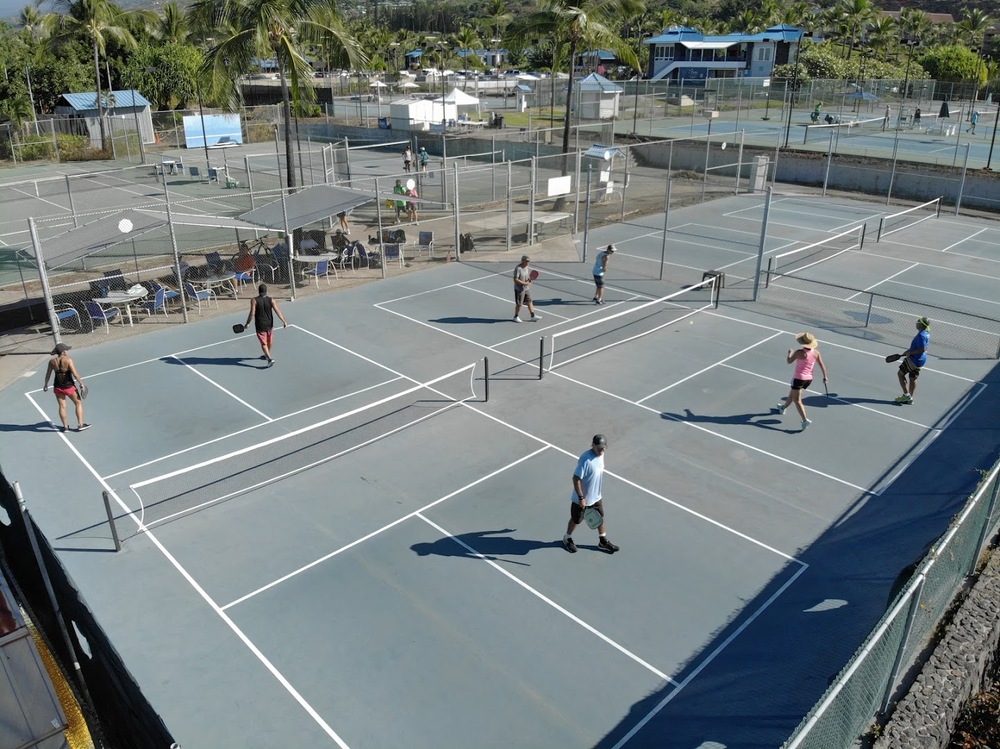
805 358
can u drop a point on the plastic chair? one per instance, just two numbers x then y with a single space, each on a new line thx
116 280
67 313
168 294
348 256
392 251
426 242
322 269
215 262
198 294
157 304
98 314
361 253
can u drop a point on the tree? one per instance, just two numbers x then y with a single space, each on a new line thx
585 24
856 14
250 29
953 63
97 21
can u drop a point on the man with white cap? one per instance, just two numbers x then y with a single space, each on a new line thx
587 482
600 266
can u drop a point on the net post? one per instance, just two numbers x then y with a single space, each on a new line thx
881 223
868 315
770 270
541 356
486 377
938 212
111 520
861 237
716 292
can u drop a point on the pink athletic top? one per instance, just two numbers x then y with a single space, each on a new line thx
804 367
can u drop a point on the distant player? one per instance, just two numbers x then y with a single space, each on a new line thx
600 267
522 289
914 358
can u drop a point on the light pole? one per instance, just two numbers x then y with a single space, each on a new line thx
993 140
201 116
135 111
795 85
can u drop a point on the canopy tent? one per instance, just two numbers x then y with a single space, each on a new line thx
461 99
860 96
408 84
310 205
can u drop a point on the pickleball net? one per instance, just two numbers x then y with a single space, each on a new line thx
846 129
602 333
210 482
797 260
910 217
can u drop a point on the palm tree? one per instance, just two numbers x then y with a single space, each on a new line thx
173 25
579 24
856 15
99 22
250 29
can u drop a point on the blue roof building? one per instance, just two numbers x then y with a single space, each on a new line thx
122 111
682 53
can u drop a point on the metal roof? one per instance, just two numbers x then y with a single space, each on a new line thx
109 100
308 206
595 82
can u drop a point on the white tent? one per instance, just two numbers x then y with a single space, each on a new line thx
461 99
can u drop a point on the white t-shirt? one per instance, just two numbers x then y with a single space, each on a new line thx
590 469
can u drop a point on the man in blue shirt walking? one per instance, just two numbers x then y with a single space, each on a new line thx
588 479
914 358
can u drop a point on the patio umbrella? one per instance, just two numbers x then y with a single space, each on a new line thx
860 96
409 84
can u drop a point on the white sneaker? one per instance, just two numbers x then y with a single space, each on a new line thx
806 423
535 317
517 319
780 408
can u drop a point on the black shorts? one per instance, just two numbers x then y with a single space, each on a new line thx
801 384
521 297
576 511
599 282
906 367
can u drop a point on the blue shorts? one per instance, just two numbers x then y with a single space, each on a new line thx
599 281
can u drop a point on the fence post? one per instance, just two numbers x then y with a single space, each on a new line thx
739 159
984 533
29 528
458 225
961 186
829 159
246 165
621 216
763 241
510 200
177 255
72 208
586 213
531 201
911 614
666 224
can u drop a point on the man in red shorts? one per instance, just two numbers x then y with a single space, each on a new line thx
262 311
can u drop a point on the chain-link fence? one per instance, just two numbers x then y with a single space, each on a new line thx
866 685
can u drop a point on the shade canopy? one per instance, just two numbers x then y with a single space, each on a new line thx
310 205
120 227
860 96
460 98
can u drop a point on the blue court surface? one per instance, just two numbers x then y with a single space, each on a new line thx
356 548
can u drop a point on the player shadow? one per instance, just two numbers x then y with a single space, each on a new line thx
746 419
462 320
225 361
480 544
41 426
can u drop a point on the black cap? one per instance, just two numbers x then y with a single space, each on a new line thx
600 441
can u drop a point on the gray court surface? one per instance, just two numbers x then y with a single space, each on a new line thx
349 549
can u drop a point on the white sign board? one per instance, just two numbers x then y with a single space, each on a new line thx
559 186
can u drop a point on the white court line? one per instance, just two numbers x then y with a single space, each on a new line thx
251 428
827 342
227 392
709 658
638 405
545 599
934 265
280 476
835 398
889 481
379 531
950 293
710 366
956 244
884 280
279 677
508 301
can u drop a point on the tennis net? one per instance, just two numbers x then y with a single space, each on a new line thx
799 259
843 129
646 318
210 482
910 217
